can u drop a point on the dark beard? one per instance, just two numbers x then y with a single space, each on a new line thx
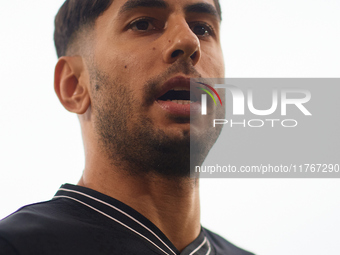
132 142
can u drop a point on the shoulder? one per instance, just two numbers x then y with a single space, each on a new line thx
34 216
223 246
6 248
34 225
27 217
61 226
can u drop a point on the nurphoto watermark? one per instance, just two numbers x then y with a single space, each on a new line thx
266 127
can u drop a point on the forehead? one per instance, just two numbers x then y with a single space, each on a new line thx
119 7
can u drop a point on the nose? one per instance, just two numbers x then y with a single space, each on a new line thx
182 43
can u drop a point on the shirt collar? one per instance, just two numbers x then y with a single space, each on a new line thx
132 220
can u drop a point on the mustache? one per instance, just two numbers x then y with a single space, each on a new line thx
154 85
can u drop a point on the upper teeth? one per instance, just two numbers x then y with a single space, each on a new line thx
181 89
181 101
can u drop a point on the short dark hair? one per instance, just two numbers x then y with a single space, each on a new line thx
74 15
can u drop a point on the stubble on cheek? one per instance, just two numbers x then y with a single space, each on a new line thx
127 137
111 110
125 134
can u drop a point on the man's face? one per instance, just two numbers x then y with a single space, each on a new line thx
142 49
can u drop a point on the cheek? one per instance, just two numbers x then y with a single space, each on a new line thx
212 66
212 63
142 65
113 57
132 64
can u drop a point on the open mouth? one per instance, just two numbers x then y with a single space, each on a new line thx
175 98
178 96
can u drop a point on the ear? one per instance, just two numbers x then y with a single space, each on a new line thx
71 84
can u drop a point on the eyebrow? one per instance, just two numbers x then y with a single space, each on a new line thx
133 4
161 4
202 8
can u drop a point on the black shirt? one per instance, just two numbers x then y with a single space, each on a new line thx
82 221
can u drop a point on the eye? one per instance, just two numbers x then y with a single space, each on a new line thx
142 24
202 29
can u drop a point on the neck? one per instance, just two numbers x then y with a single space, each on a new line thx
171 204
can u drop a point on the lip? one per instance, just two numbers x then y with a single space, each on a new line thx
176 109
176 82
